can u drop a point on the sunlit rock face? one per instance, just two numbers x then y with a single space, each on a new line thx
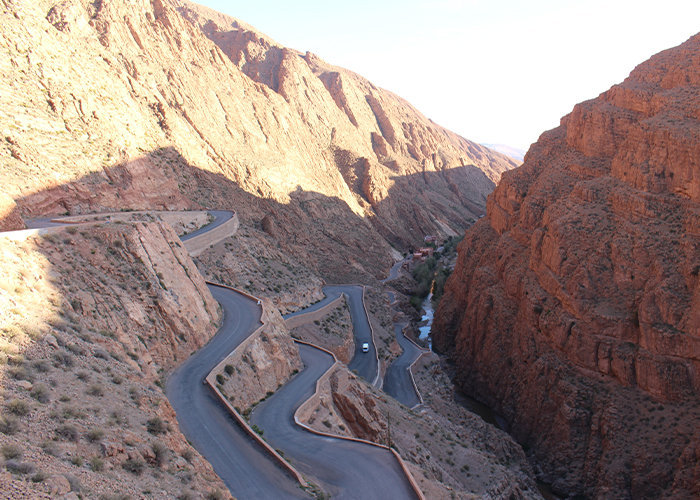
574 308
168 105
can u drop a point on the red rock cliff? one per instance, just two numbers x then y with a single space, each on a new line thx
574 308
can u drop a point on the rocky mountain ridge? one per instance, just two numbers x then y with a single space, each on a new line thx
574 308
187 108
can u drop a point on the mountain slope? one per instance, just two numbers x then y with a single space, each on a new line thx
574 308
184 107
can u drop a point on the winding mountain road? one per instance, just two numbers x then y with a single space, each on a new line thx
239 461
394 271
220 216
397 381
364 363
344 469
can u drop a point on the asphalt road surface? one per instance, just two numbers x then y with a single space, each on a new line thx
364 363
344 469
220 216
397 381
394 271
239 461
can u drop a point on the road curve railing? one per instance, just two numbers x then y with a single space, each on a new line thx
315 397
210 380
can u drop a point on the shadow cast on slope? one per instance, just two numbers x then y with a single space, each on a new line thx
321 231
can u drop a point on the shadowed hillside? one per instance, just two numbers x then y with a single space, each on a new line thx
168 75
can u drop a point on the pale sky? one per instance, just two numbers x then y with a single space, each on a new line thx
493 71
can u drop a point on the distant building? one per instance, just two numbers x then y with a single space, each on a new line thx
426 251
430 239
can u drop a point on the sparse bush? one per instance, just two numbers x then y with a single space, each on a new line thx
95 435
95 390
134 465
41 366
156 426
83 375
50 448
72 412
41 393
20 373
96 463
67 432
10 451
77 461
188 454
161 452
8 424
116 418
63 358
228 369
18 407
220 379
75 349
216 495
18 467
39 477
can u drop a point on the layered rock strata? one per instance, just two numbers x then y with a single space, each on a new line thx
187 108
574 308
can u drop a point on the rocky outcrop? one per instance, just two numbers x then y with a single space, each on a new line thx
187 108
10 218
92 318
261 364
574 308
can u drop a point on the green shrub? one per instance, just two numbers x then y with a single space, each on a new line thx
18 467
10 451
96 463
95 435
67 432
161 452
50 448
134 465
95 390
156 426
8 424
63 358
41 393
39 477
18 407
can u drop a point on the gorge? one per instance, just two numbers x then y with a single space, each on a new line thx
572 311
574 308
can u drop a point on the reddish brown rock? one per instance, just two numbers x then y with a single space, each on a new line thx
188 108
574 309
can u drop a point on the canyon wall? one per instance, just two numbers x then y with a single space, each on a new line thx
574 308
163 104
92 318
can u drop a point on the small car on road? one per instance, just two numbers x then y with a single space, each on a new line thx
365 347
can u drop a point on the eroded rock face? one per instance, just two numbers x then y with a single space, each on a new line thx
186 108
261 364
574 308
